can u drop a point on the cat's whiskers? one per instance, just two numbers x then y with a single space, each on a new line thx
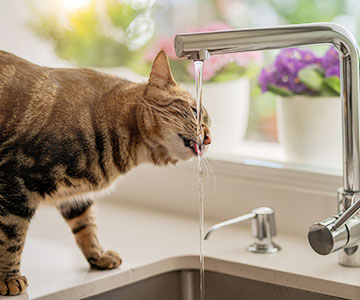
193 190
209 171
170 117
165 111
184 115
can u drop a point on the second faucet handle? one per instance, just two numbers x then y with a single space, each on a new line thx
263 228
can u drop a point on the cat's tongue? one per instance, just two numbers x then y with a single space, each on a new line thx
197 149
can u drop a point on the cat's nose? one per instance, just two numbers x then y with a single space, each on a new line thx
207 138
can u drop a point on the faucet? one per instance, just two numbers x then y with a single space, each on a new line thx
342 231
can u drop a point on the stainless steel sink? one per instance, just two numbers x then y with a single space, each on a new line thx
184 285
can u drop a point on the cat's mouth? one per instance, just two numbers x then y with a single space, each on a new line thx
194 146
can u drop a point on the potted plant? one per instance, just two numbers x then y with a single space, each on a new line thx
309 107
225 87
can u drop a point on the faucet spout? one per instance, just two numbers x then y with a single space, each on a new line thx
197 46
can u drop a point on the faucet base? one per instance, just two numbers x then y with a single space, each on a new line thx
350 257
341 232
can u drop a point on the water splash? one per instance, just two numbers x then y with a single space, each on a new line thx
198 85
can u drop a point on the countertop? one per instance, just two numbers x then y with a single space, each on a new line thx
152 242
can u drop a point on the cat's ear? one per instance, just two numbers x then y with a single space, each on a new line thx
160 75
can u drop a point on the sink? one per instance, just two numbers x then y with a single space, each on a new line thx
184 285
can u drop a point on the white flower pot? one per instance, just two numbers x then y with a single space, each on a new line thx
228 106
309 130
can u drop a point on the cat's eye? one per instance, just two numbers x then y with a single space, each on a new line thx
194 110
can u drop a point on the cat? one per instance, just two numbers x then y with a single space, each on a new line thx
66 133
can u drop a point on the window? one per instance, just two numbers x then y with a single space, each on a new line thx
127 33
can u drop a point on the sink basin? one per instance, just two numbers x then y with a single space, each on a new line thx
184 285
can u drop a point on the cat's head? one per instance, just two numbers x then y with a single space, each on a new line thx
170 115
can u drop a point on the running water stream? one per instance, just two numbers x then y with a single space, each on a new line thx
200 175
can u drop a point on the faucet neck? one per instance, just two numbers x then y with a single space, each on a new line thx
194 45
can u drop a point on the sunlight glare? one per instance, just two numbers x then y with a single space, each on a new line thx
72 5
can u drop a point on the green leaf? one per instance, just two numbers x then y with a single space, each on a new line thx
121 14
229 72
311 77
333 82
280 90
252 70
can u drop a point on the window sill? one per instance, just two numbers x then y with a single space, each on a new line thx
266 163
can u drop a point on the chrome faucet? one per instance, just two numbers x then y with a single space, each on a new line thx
343 230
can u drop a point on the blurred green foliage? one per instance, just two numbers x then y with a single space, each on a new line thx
83 41
121 14
307 11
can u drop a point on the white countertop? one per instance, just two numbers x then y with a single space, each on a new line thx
152 242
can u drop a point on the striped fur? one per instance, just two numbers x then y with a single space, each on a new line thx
65 133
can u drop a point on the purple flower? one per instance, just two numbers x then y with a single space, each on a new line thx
287 65
330 59
293 59
333 71
330 63
265 78
284 72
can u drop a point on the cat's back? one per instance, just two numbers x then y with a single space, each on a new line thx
33 97
21 77
9 59
21 82
16 73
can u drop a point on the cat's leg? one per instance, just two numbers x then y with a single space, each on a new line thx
15 215
80 217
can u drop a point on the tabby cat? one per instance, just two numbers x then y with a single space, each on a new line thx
66 133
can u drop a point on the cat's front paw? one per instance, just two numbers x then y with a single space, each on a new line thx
107 260
14 285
